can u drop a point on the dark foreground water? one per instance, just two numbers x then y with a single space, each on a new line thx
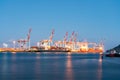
58 66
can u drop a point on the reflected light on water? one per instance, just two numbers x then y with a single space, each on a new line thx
37 56
4 65
69 71
100 68
13 58
13 52
100 58
100 61
69 53
37 66
37 52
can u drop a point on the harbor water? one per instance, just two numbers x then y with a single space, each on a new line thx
58 66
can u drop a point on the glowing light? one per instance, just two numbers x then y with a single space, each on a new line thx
5 45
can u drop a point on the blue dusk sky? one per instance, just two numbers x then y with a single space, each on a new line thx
93 20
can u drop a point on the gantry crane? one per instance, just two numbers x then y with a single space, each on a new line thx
51 37
23 42
65 39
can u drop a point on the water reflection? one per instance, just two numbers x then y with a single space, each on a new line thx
37 66
69 71
69 53
13 62
13 57
13 52
100 67
37 56
4 64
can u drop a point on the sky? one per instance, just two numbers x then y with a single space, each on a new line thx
93 20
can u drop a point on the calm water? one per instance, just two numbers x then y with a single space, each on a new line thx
58 66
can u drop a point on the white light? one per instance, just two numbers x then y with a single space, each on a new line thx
5 45
14 42
38 44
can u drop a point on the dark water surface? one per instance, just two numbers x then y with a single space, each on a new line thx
58 66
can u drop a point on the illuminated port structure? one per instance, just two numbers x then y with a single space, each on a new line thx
72 44
67 44
24 42
46 44
23 45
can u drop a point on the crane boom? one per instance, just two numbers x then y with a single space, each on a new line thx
65 37
51 36
71 39
28 35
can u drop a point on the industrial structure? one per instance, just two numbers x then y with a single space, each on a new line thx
25 43
66 45
70 44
